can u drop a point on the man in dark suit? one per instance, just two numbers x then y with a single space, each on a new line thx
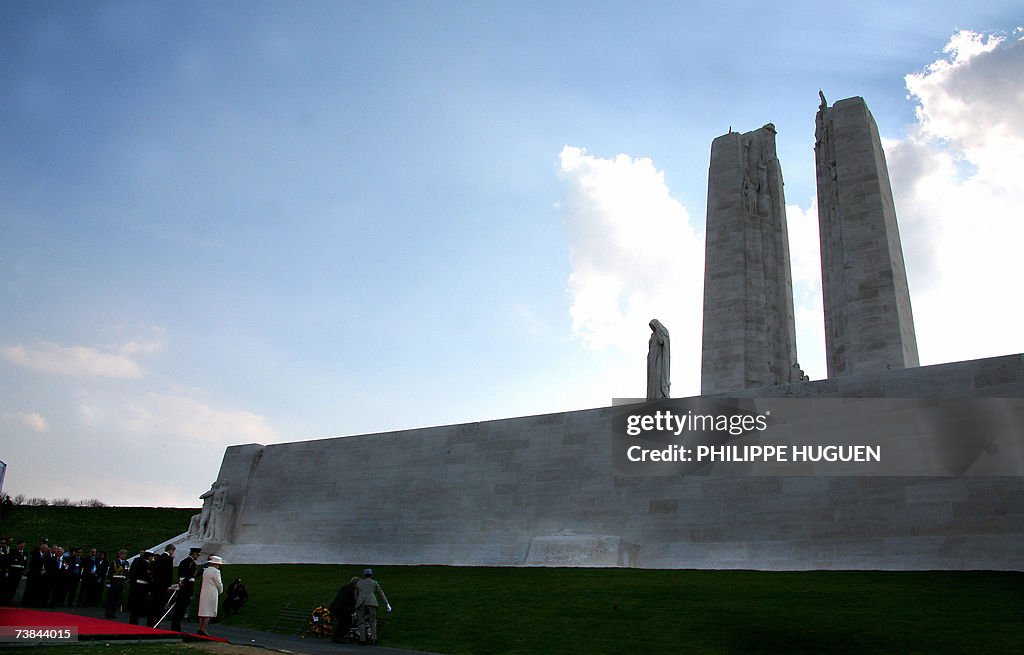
163 574
187 570
37 589
74 576
88 577
343 609
58 565
99 574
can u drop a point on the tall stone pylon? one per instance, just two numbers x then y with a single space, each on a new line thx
869 325
749 333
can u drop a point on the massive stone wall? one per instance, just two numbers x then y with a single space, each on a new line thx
869 325
543 490
749 335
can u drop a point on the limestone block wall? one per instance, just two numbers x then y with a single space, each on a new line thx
542 490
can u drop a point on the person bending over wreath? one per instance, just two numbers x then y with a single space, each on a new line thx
367 590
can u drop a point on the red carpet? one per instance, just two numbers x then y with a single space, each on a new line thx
88 628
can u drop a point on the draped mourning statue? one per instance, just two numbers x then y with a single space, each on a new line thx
214 520
658 362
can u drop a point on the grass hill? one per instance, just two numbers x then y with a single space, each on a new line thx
462 610
104 528
482 610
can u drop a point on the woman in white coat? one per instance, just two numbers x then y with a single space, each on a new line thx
209 593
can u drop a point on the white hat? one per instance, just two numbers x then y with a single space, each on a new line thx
214 560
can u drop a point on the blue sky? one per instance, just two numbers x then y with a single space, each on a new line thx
225 223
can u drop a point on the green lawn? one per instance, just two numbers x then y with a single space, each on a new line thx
503 610
104 528
461 610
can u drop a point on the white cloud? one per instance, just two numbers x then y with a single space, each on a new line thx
971 102
634 257
174 418
74 361
805 262
958 191
140 347
90 466
34 421
165 447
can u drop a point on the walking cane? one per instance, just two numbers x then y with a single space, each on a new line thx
169 606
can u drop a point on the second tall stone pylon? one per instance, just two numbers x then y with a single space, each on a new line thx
749 333
869 325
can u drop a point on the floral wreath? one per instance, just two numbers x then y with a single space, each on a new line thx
321 622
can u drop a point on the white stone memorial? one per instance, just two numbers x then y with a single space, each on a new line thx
947 491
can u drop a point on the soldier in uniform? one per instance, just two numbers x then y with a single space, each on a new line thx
5 565
17 562
140 578
163 573
187 570
118 574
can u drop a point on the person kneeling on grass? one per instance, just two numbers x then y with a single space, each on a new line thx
367 590
237 596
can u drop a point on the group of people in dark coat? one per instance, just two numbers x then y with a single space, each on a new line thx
149 580
52 577
13 563
143 586
158 590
